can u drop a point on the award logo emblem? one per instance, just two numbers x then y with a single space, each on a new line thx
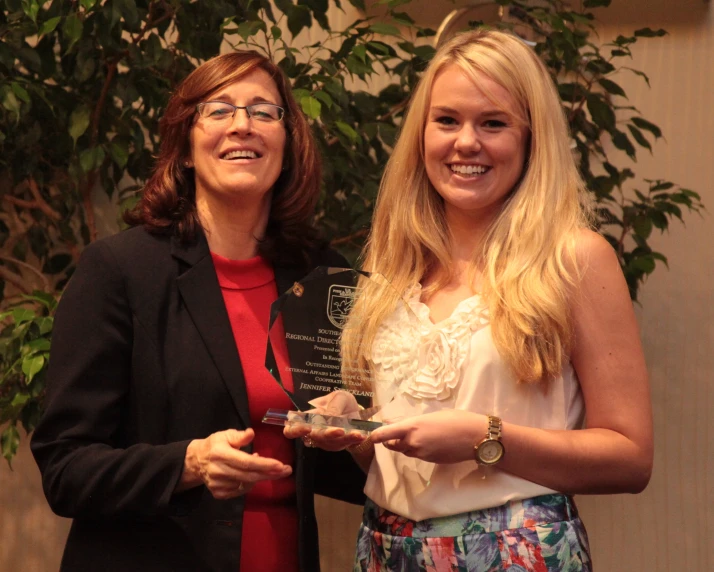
339 303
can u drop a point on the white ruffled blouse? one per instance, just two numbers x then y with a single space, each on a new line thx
422 367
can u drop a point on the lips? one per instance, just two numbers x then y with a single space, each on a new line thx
462 169
240 154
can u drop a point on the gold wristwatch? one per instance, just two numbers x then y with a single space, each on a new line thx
490 450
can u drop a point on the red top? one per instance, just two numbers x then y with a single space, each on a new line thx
270 522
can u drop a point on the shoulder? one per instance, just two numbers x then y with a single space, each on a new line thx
134 240
130 255
594 256
130 248
600 280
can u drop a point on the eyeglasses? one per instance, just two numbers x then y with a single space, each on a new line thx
220 111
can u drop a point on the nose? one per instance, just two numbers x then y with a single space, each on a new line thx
240 122
467 139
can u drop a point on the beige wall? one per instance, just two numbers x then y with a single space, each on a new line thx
670 526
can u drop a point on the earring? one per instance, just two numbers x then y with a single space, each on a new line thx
187 164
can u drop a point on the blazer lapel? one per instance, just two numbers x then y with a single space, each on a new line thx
201 293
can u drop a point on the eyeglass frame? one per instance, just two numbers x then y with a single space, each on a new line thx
281 110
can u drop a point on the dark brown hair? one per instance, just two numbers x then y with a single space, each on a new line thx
168 204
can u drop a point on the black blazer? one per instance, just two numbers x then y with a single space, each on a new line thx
143 361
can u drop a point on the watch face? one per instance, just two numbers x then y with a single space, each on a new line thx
490 452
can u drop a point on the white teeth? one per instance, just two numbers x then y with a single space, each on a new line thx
241 155
468 169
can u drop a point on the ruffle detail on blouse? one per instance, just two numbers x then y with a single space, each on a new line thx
416 357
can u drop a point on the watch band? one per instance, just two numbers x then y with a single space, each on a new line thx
495 426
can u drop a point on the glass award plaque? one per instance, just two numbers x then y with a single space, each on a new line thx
306 332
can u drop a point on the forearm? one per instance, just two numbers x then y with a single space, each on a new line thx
96 480
595 460
587 461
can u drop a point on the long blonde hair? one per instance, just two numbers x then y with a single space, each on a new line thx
527 260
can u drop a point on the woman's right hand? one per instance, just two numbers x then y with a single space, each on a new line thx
337 403
219 463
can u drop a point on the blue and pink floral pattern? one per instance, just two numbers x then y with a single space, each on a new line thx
542 534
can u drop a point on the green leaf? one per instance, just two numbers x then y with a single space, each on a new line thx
622 141
661 186
119 152
356 66
311 107
276 32
128 11
90 159
361 52
639 137
612 87
644 124
31 8
690 193
298 18
662 257
384 29
9 442
49 25
88 4
650 33
78 122
22 315
596 3
642 226
381 47
45 324
403 18
645 264
347 130
324 97
39 345
20 92
250 28
72 30
601 113
9 101
425 51
44 298
31 366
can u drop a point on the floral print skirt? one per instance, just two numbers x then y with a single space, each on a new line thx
540 534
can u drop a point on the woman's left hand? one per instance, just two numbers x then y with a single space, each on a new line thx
446 436
338 403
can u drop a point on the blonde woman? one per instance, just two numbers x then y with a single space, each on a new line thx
517 323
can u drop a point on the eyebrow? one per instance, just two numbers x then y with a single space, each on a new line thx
255 99
447 109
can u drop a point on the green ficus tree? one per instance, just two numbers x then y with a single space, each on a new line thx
84 82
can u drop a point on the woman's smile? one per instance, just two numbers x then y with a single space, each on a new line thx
474 149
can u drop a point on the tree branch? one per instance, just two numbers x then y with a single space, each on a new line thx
38 202
13 278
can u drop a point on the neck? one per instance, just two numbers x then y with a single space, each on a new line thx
467 236
233 229
467 233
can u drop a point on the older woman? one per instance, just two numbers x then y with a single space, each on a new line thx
517 325
151 440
